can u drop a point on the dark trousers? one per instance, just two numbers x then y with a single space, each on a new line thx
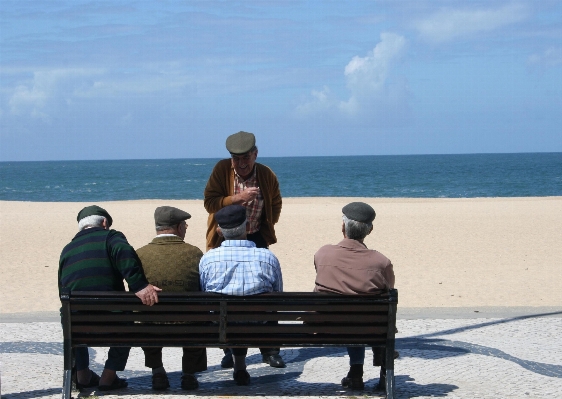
116 358
192 361
264 351
258 239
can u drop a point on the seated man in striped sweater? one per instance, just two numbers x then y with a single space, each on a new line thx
98 259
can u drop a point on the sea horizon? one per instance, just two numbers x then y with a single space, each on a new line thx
286 156
533 174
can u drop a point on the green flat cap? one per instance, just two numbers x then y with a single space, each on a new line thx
169 216
94 210
240 143
360 212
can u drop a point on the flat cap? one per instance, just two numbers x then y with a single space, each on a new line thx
240 143
94 210
360 212
169 216
231 216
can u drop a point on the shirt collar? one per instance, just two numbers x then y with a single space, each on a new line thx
238 243
240 177
349 243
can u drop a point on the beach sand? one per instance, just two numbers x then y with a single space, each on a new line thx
446 252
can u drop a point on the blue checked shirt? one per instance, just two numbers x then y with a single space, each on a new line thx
237 267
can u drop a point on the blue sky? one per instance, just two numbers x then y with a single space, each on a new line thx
172 79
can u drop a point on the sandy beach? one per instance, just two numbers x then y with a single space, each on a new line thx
446 252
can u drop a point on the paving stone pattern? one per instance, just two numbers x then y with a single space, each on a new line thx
518 357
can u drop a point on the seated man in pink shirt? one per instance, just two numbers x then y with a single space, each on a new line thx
349 267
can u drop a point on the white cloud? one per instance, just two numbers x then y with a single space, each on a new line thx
367 76
366 79
550 58
36 97
449 24
322 100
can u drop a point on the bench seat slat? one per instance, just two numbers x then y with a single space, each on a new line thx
232 307
299 340
116 317
93 328
144 317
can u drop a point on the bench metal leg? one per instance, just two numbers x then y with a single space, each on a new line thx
389 384
67 384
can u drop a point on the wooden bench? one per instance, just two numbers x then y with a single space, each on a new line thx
199 319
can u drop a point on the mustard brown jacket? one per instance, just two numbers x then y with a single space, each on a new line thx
220 189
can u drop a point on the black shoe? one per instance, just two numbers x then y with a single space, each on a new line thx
189 382
353 383
94 381
160 382
227 361
241 377
117 383
274 361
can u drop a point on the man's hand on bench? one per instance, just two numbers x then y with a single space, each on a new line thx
148 295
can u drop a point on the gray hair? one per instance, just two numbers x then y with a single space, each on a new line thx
163 228
235 232
356 230
90 221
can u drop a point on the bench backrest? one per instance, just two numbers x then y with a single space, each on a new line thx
205 319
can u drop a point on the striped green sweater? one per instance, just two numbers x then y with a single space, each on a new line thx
99 260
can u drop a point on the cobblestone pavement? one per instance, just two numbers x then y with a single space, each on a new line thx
510 357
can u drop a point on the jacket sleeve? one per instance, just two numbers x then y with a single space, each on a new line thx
276 200
216 194
389 275
126 261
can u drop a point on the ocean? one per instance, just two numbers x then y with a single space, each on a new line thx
419 176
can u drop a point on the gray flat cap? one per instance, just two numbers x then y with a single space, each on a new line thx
360 212
231 216
169 216
240 143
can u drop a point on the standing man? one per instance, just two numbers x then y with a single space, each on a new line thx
172 264
238 267
240 180
98 259
349 267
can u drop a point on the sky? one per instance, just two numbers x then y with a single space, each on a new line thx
82 80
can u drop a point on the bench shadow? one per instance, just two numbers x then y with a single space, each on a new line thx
268 381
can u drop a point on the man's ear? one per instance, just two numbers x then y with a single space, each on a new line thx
105 224
343 229
219 231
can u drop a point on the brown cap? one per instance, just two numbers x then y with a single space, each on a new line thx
360 212
94 210
240 143
169 216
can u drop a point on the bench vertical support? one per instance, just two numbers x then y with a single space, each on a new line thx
67 344
222 322
390 344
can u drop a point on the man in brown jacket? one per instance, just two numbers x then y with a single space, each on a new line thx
349 267
174 264
240 180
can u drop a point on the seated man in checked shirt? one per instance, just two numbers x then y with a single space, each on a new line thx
238 267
